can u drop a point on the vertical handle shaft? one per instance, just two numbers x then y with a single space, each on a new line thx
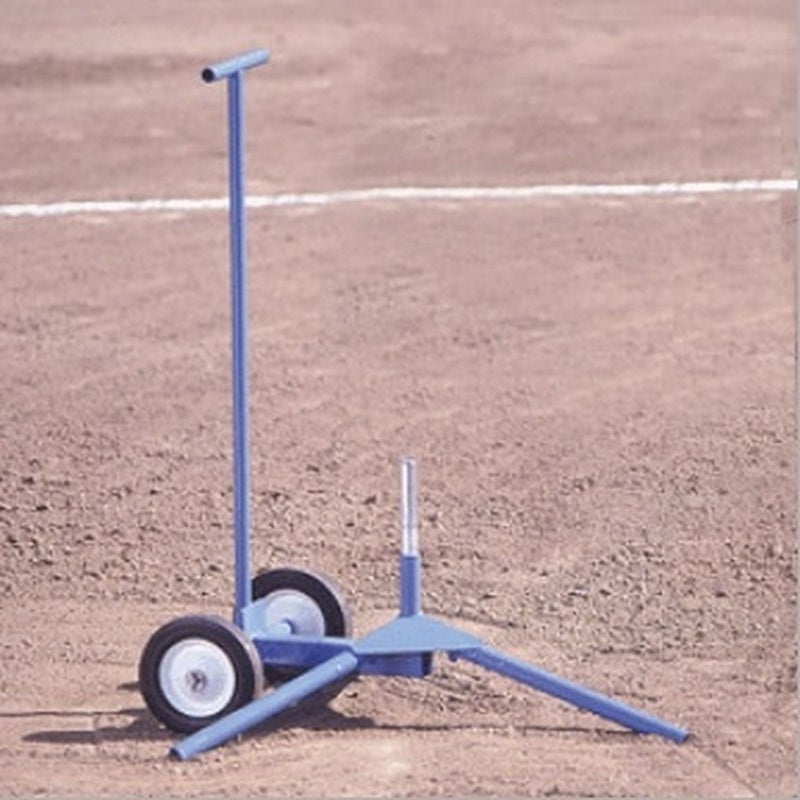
241 446
233 71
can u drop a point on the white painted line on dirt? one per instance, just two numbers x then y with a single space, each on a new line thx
408 193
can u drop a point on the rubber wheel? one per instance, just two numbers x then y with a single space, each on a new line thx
312 603
196 669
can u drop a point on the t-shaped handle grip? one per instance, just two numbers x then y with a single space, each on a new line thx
224 69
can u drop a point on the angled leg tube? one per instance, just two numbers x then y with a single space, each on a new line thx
246 717
580 696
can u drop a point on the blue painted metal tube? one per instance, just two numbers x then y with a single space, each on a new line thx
584 698
241 445
224 69
289 694
232 69
410 586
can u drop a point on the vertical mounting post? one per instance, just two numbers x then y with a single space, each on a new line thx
232 70
410 568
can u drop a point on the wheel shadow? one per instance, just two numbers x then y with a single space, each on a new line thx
314 713
141 726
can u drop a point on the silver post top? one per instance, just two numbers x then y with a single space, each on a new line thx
408 506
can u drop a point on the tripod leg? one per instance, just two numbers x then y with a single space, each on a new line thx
257 711
574 693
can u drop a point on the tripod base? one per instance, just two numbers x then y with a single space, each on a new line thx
405 646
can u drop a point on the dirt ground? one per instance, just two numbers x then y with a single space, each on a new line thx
599 392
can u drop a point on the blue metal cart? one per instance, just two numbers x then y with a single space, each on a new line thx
205 676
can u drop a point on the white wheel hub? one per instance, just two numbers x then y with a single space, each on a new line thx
197 677
295 609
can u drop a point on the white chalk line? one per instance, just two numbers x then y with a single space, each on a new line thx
406 193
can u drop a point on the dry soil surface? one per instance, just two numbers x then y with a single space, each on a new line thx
599 391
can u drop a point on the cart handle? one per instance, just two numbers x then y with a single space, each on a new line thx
224 69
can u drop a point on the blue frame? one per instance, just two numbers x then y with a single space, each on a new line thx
403 646
232 70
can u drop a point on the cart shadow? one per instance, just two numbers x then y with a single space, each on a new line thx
141 726
315 714
312 714
329 720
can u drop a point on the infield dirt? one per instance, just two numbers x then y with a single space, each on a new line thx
599 392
